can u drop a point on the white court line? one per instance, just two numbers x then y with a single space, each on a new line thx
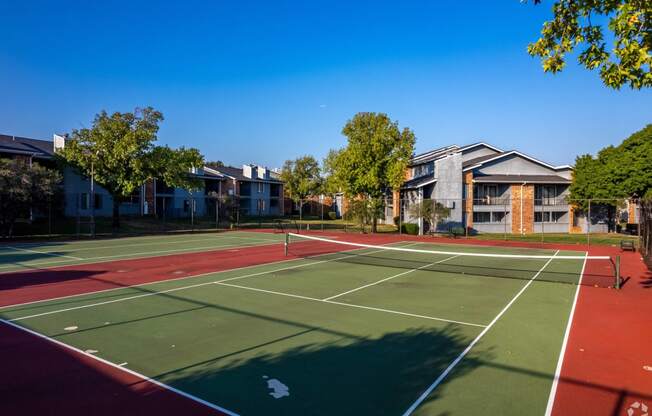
560 362
352 305
465 254
388 278
463 354
117 245
43 252
121 368
16 305
146 254
175 289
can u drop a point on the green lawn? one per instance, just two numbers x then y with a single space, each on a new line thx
349 333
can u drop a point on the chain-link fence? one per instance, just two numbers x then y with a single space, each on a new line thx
531 218
646 230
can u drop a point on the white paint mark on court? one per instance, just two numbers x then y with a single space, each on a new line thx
647 367
278 389
91 351
70 328
123 364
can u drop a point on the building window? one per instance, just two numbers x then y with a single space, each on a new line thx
480 217
83 203
260 187
548 216
98 201
498 216
261 205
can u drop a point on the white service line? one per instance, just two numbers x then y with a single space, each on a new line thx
176 289
15 305
351 305
463 354
122 368
43 252
562 353
388 278
146 254
74 250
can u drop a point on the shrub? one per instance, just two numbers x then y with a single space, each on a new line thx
411 229
332 215
457 231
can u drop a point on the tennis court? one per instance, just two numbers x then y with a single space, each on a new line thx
337 328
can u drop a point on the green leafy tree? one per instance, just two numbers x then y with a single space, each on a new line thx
374 160
301 178
616 173
119 151
215 164
360 212
24 188
573 27
430 210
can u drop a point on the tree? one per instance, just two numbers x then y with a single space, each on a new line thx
301 178
119 151
24 188
630 26
617 173
215 164
374 160
430 210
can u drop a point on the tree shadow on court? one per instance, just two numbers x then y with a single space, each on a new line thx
343 376
44 277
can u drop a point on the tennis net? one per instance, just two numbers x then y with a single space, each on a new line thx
471 261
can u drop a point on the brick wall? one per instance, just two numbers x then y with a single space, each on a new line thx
468 203
396 206
527 198
631 213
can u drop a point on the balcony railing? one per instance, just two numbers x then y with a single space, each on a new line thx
551 201
491 200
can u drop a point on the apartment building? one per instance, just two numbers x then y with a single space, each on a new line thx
487 189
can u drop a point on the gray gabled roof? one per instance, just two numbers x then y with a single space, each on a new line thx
22 145
236 173
432 155
478 160
490 158
419 182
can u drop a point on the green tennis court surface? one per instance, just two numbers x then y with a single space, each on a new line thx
362 331
14 257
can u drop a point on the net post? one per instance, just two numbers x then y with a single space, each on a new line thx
287 242
617 266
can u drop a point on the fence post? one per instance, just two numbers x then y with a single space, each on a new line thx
287 241
217 213
588 226
617 272
400 214
505 219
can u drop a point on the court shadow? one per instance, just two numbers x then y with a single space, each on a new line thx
44 277
342 376
41 378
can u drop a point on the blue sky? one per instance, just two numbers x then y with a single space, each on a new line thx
264 81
